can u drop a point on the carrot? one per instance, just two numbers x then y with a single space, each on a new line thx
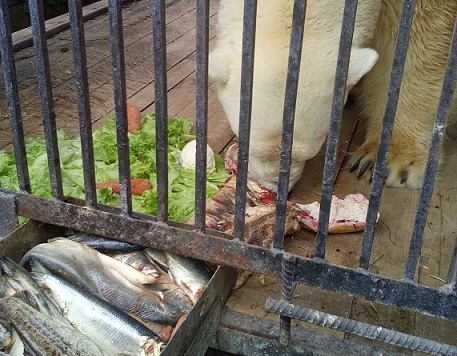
139 185
133 118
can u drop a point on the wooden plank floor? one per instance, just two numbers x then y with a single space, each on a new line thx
397 206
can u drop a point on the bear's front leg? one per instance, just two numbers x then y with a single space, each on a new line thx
420 91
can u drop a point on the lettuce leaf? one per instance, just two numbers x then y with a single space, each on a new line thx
142 143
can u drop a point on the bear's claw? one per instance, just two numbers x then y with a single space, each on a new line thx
405 165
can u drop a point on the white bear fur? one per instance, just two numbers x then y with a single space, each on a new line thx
317 75
426 59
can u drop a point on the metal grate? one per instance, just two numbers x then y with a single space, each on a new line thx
208 245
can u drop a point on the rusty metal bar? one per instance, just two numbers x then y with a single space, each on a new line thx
339 91
120 101
243 334
247 75
8 216
372 332
287 274
12 96
82 89
201 120
45 90
386 132
161 106
293 70
444 106
224 251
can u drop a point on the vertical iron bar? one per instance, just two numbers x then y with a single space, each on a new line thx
431 168
82 88
288 273
339 90
161 105
201 113
244 132
120 101
45 89
296 46
386 132
8 215
12 95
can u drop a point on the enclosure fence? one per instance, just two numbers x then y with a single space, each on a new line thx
198 241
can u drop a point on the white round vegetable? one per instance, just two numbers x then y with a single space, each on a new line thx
187 157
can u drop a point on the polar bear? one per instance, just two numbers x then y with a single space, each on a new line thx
426 60
317 75
375 32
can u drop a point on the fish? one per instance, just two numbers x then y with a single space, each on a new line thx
176 299
17 347
111 329
6 338
103 244
139 261
44 335
162 330
172 294
111 280
158 257
16 281
191 275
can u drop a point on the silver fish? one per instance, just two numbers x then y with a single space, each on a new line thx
174 297
111 329
158 257
111 280
17 282
6 337
42 334
164 331
191 275
17 345
139 261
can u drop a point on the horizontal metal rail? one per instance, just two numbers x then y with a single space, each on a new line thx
243 334
223 251
359 328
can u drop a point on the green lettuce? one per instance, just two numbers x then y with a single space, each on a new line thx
142 144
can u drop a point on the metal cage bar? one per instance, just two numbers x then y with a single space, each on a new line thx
201 120
221 250
296 46
123 224
386 132
120 101
359 328
247 79
82 89
287 277
431 168
12 95
161 105
339 91
45 88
